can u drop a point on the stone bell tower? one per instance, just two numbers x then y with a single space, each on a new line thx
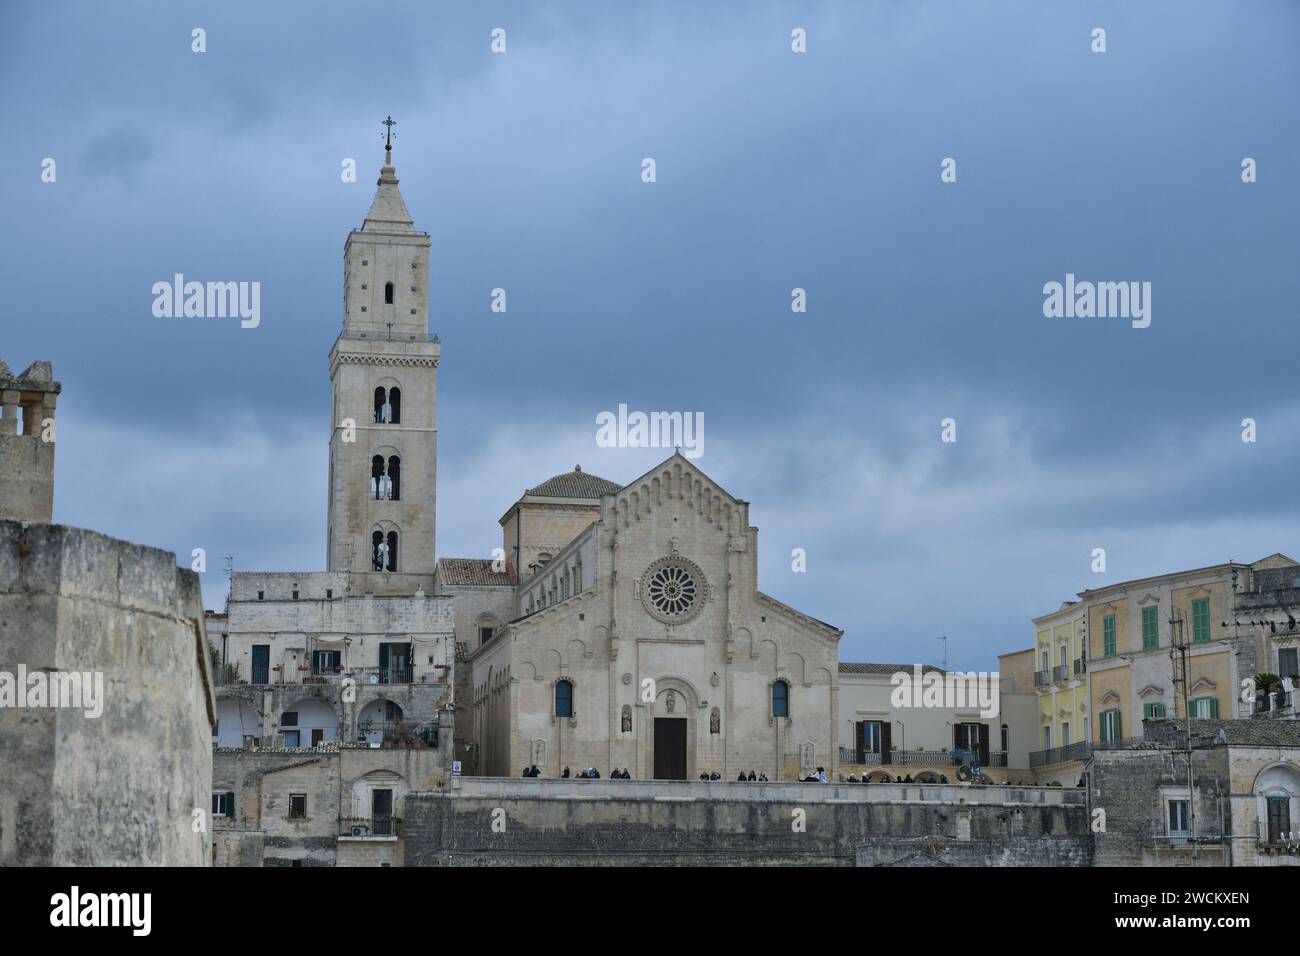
383 369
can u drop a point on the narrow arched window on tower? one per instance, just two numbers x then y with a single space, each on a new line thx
395 404
392 551
377 476
382 408
377 553
395 478
388 293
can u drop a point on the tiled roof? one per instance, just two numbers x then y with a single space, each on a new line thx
473 572
575 484
1259 732
849 668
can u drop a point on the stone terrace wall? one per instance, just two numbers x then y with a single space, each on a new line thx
622 823
121 788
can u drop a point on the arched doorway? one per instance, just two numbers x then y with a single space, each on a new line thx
671 730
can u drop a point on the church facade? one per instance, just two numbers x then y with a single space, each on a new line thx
644 643
619 625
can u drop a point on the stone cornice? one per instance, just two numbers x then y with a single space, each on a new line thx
407 361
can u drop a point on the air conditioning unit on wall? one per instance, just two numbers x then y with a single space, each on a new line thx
361 830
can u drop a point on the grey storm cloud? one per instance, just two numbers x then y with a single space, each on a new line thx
775 171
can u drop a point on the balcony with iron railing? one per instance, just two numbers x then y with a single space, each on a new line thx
1046 758
370 828
1061 672
1278 705
1080 666
919 758
303 674
1042 678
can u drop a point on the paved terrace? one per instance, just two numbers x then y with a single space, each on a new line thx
686 791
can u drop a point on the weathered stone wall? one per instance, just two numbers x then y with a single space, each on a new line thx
121 788
336 782
1131 786
548 823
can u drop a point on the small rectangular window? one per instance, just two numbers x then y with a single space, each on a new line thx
297 806
261 595
295 595
289 719
329 593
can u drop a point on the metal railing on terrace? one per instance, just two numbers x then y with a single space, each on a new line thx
305 675
1042 678
1075 751
364 827
1060 672
919 758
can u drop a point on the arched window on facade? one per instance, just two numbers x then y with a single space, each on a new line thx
392 551
780 699
395 403
388 293
377 477
564 698
394 478
378 551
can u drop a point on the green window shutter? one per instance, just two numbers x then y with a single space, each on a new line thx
1150 628
1201 620
1108 635
1214 707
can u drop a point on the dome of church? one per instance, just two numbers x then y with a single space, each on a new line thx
575 484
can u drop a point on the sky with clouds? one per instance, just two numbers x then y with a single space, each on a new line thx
775 170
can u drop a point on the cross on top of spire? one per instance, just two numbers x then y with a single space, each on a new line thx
388 139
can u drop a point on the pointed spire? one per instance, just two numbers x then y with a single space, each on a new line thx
388 210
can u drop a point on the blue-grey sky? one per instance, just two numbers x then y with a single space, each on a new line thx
775 170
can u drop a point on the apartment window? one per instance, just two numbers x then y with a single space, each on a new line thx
289 718
1201 620
1153 711
1179 816
223 804
780 699
1205 708
297 806
1279 817
1108 636
1065 734
1047 738
326 662
870 733
1150 628
1287 664
564 699
1111 725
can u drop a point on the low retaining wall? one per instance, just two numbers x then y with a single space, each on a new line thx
509 822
